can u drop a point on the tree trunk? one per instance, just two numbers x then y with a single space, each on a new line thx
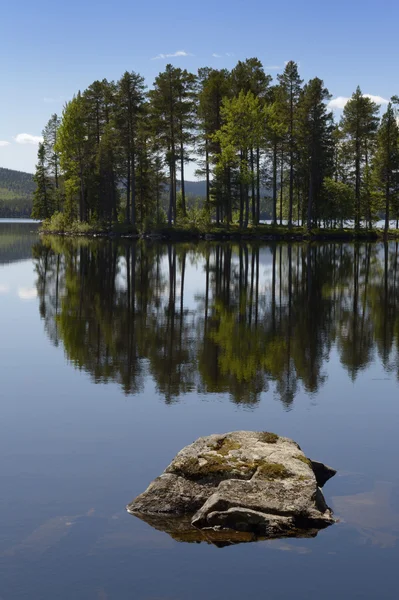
253 198
208 194
128 192
281 186
275 183
291 191
171 203
183 192
257 185
133 207
357 184
310 201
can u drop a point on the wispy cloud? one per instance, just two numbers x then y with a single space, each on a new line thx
4 288
340 102
4 143
172 55
216 55
27 138
27 293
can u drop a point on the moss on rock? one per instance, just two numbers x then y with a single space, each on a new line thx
303 459
272 471
268 438
224 445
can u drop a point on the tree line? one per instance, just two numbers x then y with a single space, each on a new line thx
262 319
119 151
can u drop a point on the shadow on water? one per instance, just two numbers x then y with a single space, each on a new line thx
259 318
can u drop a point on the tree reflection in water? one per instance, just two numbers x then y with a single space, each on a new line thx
266 316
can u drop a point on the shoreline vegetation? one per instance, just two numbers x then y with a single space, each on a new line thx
261 232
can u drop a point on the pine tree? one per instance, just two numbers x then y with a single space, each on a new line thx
249 76
130 97
43 198
243 125
172 107
73 149
186 114
315 132
50 133
275 141
290 84
359 125
386 163
213 86
99 112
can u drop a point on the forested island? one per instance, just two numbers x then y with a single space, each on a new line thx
116 159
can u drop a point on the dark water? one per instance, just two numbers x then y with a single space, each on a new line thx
114 356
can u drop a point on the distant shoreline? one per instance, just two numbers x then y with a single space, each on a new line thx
233 233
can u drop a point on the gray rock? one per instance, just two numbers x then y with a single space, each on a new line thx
242 481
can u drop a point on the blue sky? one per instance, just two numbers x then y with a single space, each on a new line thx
51 49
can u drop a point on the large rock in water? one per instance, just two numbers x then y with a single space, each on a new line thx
243 481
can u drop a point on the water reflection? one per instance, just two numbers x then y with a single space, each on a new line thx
181 530
16 241
255 317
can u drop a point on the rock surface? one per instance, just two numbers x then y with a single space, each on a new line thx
242 481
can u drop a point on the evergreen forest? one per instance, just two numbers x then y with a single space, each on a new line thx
120 150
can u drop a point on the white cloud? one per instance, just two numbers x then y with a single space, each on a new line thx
4 143
215 55
27 138
229 53
27 293
376 99
4 289
340 102
172 55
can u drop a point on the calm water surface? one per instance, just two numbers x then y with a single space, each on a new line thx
114 356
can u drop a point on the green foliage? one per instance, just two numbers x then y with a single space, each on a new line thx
338 201
359 127
58 222
119 152
44 196
385 170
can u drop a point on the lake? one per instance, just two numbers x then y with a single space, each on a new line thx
114 355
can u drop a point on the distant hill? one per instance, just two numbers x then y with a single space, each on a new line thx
17 188
194 188
16 193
